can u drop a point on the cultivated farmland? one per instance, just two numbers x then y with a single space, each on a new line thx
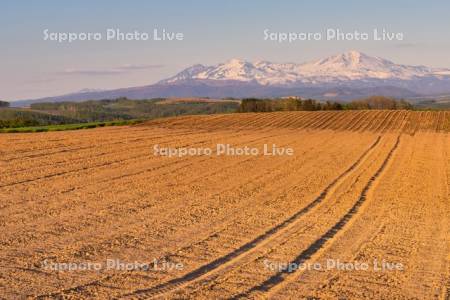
362 187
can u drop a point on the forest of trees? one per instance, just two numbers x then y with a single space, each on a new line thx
4 104
268 105
379 102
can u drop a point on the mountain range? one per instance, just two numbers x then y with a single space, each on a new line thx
345 76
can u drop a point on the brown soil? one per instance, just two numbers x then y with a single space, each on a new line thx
361 187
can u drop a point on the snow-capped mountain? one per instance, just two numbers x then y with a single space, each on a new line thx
352 65
346 76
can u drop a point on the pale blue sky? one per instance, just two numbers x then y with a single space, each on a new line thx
215 31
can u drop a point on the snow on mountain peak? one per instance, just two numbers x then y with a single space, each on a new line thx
351 58
351 65
235 62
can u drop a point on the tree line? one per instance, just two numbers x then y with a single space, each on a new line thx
270 105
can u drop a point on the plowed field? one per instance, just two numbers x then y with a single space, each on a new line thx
359 211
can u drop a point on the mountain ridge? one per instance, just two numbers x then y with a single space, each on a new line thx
351 65
344 76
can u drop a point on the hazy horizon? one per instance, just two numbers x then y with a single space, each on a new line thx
213 32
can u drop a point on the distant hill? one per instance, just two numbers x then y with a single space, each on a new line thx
17 117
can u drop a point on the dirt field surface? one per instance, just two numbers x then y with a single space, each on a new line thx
359 211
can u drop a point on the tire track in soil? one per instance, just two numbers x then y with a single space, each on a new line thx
240 275
276 282
80 288
228 259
